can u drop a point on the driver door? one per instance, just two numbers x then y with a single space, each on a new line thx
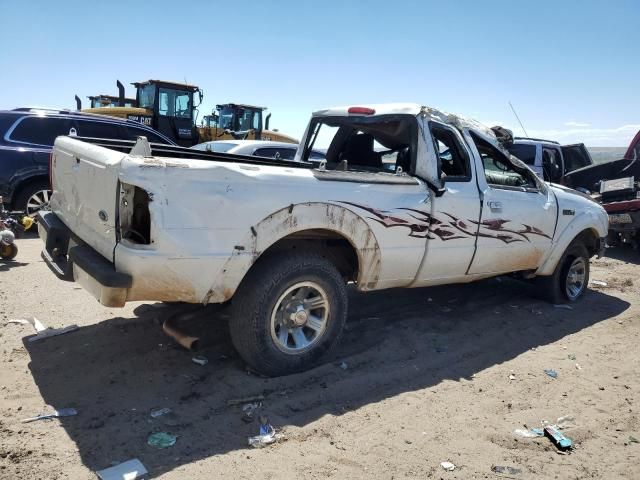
518 215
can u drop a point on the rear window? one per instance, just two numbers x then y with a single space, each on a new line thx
524 152
40 130
275 152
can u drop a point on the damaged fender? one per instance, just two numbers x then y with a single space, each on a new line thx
295 219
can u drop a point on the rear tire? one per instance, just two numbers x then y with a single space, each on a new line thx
570 279
8 252
288 313
33 198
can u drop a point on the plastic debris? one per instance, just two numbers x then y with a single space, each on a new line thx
557 438
129 470
565 422
448 466
578 367
532 433
266 435
633 439
551 373
161 440
200 360
512 376
344 366
237 401
159 412
571 356
507 470
599 283
33 321
564 306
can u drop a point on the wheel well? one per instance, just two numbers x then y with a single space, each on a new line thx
24 184
589 238
331 245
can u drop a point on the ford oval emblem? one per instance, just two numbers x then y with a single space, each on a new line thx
103 215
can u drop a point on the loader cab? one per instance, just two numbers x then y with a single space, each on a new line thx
170 109
236 121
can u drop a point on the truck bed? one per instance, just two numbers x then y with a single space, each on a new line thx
161 150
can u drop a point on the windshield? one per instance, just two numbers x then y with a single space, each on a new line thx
226 118
174 103
146 96
239 119
524 152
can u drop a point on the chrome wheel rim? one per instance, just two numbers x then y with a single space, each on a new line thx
576 277
38 201
299 317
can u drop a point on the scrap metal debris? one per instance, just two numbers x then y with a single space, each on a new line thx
159 412
61 412
42 331
529 433
200 360
266 436
506 470
552 373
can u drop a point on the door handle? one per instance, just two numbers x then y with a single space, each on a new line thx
495 205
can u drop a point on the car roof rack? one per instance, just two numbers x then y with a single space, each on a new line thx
41 109
536 139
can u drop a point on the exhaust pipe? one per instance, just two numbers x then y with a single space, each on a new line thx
120 93
190 343
78 103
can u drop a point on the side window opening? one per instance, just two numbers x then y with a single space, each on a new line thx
551 164
500 171
381 144
98 130
452 157
40 130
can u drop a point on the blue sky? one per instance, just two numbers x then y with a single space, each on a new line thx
570 68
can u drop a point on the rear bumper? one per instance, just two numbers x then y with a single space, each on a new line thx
70 259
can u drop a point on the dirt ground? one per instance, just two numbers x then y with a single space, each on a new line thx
422 376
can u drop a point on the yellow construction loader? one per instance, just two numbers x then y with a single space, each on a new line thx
169 107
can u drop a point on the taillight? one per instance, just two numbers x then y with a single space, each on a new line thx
51 170
361 110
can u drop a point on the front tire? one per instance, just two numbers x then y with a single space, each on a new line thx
288 313
570 278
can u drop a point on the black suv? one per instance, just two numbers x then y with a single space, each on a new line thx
26 139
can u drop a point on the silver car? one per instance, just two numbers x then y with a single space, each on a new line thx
257 148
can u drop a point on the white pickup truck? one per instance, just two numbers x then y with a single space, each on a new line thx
408 196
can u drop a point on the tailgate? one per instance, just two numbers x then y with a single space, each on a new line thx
85 182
